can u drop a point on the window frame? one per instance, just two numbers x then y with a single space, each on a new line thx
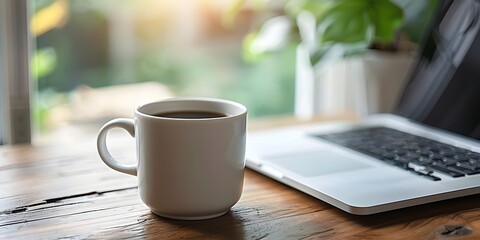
15 77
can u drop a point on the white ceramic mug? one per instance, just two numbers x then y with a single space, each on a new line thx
187 168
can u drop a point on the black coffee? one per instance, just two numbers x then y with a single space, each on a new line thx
190 114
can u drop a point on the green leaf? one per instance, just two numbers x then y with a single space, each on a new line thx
249 52
350 20
274 35
417 16
387 18
44 61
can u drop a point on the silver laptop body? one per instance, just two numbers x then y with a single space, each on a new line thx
433 106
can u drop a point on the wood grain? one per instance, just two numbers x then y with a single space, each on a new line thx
65 191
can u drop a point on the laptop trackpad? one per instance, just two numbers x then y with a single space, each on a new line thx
312 164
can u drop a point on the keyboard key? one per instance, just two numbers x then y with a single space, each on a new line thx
449 161
429 176
448 170
467 166
461 157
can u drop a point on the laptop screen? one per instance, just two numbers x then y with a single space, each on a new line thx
444 88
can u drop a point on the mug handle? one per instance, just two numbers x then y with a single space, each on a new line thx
105 155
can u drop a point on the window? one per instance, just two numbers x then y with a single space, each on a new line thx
95 60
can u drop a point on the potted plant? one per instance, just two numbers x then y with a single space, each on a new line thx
352 55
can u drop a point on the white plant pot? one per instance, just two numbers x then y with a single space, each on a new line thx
363 85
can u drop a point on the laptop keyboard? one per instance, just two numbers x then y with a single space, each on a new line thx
416 154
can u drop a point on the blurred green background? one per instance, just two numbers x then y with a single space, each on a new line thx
182 45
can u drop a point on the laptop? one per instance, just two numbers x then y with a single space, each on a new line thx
426 150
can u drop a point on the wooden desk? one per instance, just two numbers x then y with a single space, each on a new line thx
65 191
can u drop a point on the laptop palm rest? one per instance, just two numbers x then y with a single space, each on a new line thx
317 163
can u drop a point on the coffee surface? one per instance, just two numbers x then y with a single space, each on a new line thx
190 114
